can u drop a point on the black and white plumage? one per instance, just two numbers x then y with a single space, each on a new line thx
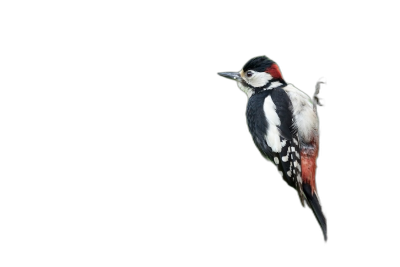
283 123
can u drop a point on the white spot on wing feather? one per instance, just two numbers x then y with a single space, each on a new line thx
286 158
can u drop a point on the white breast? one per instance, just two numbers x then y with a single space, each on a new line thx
305 117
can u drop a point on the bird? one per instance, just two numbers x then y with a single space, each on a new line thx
284 126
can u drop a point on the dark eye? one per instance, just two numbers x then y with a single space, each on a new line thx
249 74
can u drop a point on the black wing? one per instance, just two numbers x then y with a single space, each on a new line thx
288 159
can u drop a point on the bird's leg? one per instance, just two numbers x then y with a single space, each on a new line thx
316 98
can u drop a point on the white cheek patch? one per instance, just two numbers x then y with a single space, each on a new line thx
273 136
258 79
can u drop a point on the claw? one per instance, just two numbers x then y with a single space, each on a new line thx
317 101
317 88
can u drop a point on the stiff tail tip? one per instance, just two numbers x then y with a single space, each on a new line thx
313 203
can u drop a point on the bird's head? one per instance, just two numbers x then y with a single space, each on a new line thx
258 74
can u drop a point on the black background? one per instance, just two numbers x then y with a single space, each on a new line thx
185 177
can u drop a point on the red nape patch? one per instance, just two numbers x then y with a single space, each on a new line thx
274 71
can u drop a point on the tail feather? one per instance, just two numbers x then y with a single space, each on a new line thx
313 203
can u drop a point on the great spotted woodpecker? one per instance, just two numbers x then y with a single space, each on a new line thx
283 122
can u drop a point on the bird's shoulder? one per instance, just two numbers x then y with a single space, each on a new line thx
297 96
270 107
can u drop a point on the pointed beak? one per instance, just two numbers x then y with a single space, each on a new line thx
231 75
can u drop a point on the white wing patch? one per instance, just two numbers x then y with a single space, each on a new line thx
273 136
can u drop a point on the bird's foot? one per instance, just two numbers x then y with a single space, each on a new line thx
316 99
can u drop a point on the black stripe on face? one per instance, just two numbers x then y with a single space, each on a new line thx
262 88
